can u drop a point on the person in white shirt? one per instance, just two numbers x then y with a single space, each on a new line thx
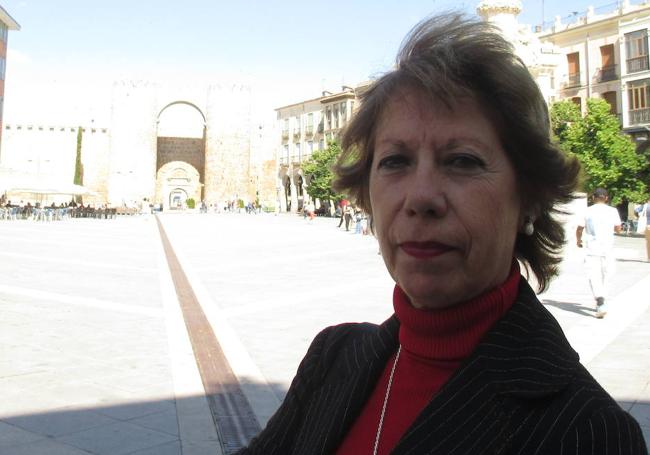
599 225
643 212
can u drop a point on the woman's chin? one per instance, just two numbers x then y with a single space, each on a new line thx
430 298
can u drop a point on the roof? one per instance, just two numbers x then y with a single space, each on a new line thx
9 21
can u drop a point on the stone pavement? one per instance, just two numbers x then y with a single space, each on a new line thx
95 358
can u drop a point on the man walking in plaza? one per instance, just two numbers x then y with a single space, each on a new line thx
644 217
599 225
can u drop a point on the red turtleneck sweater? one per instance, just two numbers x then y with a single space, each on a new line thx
434 343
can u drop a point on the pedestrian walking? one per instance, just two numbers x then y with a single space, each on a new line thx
347 214
599 225
343 205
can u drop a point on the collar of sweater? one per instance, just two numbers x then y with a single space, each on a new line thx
452 333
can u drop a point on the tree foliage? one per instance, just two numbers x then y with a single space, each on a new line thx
78 165
563 114
607 155
319 169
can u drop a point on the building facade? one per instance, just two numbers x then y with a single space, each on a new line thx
6 23
604 54
305 127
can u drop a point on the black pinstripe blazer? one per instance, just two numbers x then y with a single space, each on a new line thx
522 391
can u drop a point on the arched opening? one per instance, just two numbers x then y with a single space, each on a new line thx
287 193
181 139
300 192
177 198
175 183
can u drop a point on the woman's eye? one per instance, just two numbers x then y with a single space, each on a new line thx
465 162
392 162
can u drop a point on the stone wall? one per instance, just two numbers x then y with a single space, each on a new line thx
132 165
187 149
121 162
47 154
227 173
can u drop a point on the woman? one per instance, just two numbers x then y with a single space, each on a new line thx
450 156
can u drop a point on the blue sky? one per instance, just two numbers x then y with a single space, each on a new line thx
293 49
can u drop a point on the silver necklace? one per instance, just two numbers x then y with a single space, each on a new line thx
383 409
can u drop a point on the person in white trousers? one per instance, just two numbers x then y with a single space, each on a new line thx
599 225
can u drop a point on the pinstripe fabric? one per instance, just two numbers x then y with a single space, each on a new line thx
522 391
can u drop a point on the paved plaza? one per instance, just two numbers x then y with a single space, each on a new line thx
95 356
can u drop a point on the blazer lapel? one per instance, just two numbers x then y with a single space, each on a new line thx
524 356
345 390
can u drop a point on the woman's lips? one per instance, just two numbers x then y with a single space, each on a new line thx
425 250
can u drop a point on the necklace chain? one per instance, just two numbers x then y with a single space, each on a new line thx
383 409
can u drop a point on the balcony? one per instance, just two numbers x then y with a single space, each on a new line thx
639 116
284 161
309 130
572 80
634 65
296 132
295 159
606 73
285 134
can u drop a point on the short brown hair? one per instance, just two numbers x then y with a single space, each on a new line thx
451 56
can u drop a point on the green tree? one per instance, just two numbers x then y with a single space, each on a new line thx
607 155
319 168
78 165
563 114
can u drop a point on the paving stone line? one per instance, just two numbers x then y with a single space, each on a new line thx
232 414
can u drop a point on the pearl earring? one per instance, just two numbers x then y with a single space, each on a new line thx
529 229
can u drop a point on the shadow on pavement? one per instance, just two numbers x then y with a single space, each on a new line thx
157 427
571 307
640 261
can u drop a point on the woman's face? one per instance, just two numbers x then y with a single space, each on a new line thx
444 200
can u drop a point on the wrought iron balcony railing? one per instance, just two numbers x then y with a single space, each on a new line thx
636 64
639 116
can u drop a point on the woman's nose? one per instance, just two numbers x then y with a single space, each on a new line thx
426 195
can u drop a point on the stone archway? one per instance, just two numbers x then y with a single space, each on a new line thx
177 198
176 182
181 138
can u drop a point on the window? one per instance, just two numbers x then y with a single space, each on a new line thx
638 95
296 149
286 152
573 62
321 144
3 32
310 146
608 67
328 117
336 115
636 47
344 112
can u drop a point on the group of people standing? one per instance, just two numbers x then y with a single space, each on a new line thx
348 213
